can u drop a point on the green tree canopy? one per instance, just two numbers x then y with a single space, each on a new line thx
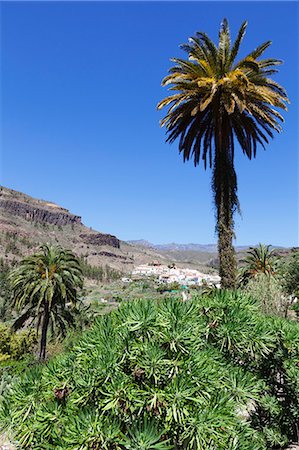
45 287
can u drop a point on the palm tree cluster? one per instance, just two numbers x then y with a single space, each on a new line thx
212 373
219 101
44 288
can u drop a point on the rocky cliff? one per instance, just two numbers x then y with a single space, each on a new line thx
34 213
100 239
27 222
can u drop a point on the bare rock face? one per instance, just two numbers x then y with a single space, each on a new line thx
125 259
51 215
27 222
100 239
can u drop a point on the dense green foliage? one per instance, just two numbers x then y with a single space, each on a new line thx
99 273
168 287
15 346
211 373
291 274
44 289
5 291
217 100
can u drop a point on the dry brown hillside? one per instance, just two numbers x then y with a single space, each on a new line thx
26 222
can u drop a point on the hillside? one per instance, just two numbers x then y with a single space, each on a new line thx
27 222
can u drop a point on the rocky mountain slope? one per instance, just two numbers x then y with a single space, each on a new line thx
26 222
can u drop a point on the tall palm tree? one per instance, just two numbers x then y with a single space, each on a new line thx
44 288
217 102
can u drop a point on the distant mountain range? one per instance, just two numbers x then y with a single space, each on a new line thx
173 246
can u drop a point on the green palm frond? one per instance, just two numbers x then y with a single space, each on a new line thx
205 79
259 260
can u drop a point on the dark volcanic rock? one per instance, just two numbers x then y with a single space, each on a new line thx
27 222
100 239
113 255
36 214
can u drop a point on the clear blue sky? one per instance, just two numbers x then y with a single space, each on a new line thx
80 84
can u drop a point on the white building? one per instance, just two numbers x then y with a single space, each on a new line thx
182 276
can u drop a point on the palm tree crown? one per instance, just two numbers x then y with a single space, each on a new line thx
44 285
211 78
260 260
216 102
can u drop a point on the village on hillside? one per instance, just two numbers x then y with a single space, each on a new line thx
172 274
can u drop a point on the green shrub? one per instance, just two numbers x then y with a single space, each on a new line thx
295 307
291 275
15 345
268 292
168 287
5 291
99 273
212 373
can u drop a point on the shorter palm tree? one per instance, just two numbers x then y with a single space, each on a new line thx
259 260
44 288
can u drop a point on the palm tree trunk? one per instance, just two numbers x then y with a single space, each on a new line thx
43 341
225 199
226 251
